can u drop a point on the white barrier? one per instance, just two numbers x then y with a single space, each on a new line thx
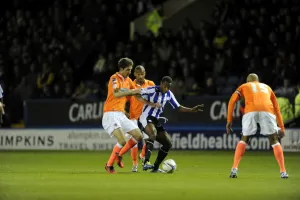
55 139
98 139
291 141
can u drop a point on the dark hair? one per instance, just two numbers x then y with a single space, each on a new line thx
124 62
139 67
166 79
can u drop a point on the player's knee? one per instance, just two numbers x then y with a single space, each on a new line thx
245 139
138 137
152 137
273 139
122 142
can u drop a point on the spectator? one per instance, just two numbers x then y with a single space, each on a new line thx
45 78
164 51
81 92
219 64
297 102
210 88
286 90
57 93
24 90
220 40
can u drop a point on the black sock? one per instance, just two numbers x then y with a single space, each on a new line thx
160 157
149 148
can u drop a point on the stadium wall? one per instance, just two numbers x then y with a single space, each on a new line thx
84 113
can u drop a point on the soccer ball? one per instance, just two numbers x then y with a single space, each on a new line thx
169 166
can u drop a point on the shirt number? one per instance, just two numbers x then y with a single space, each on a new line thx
261 87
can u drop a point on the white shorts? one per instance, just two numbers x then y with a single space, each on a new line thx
267 122
114 120
145 136
143 120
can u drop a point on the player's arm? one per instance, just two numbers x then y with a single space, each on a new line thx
118 92
174 103
233 99
122 93
149 91
144 101
197 108
277 111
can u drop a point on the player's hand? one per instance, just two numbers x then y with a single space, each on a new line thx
198 108
280 134
228 128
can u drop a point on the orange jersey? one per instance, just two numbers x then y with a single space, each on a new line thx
258 97
117 81
135 105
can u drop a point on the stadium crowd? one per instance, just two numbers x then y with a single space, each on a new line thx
68 49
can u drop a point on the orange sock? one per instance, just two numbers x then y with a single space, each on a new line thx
112 157
143 153
129 144
278 153
239 152
134 155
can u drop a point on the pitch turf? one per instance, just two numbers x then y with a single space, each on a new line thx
200 175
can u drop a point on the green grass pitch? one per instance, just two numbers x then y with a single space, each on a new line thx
200 175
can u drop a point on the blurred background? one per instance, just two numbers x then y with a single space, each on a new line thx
57 56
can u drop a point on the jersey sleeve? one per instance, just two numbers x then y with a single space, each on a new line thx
151 83
148 90
239 90
173 101
233 99
114 83
277 111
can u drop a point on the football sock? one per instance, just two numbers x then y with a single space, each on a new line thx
117 148
129 144
162 154
239 152
143 153
278 153
134 154
149 148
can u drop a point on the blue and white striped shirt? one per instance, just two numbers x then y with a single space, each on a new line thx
154 95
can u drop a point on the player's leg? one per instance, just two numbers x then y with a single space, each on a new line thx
134 157
143 152
150 130
133 130
148 125
119 135
112 126
269 128
278 153
134 153
249 127
164 139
